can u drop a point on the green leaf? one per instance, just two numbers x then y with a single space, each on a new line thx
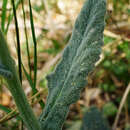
75 126
34 90
127 127
7 110
78 60
10 17
108 40
94 120
3 15
15 87
35 43
109 109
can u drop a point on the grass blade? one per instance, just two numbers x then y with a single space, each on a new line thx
11 16
42 104
8 110
18 41
5 109
29 80
3 16
15 87
27 44
35 43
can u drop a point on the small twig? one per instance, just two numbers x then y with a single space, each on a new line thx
11 114
46 68
48 64
8 9
113 35
45 5
121 106
116 25
18 41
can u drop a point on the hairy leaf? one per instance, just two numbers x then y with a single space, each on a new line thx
94 120
79 58
9 72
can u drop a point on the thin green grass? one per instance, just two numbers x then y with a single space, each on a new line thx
28 76
15 87
8 110
5 109
35 44
26 35
3 15
18 41
10 17
34 89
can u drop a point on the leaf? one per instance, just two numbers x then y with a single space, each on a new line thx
3 15
8 110
35 43
75 126
15 87
78 60
109 109
5 109
10 17
34 90
94 120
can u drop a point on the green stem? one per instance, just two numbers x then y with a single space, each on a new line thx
26 35
10 17
18 41
35 44
15 87
3 15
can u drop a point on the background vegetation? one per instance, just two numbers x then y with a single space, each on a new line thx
43 30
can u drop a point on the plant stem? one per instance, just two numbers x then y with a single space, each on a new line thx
35 43
26 35
18 41
3 15
15 87
10 17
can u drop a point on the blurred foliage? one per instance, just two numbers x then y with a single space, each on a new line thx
109 109
127 127
54 20
94 120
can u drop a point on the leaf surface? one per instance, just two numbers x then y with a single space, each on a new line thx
94 120
78 60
